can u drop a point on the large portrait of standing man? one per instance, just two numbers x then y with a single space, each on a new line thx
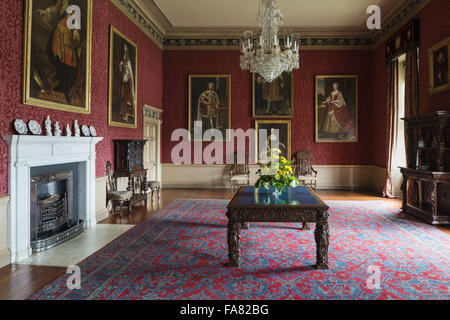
122 81
337 108
210 102
57 54
273 99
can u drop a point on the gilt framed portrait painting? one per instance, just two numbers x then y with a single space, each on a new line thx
284 137
440 67
210 103
273 99
336 108
57 54
123 55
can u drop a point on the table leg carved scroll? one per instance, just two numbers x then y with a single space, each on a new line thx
322 237
234 236
245 225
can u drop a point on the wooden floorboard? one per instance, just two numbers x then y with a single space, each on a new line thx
20 281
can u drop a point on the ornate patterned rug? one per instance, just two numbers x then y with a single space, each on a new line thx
180 253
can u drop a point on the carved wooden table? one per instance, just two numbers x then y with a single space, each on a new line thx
299 204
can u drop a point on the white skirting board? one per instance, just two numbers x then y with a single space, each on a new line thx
5 256
100 199
345 177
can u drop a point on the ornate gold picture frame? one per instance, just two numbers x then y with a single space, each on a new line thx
57 55
439 56
284 127
336 108
209 101
273 100
122 88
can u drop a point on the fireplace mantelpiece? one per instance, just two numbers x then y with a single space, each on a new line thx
34 151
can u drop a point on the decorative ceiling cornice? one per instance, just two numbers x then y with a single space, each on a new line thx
147 15
399 18
140 15
156 16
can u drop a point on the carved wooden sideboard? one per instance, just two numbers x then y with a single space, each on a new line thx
129 162
426 180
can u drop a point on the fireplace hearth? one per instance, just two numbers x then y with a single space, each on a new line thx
53 217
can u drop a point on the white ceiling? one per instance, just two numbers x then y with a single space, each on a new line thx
297 13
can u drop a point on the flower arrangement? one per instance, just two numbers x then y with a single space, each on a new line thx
276 173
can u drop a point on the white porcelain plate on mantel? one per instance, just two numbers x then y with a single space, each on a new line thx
20 126
93 131
85 130
34 127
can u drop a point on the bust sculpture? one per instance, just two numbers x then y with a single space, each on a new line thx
48 126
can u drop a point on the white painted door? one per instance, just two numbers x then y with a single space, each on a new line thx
151 152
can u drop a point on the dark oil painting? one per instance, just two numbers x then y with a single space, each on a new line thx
284 137
273 99
57 54
336 108
210 102
122 81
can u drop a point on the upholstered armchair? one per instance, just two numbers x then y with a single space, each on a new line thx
239 173
116 197
303 169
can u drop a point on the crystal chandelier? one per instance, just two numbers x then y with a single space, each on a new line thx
267 57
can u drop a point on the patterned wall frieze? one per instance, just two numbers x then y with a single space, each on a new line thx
135 14
233 43
174 42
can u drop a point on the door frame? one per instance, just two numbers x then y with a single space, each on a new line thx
152 116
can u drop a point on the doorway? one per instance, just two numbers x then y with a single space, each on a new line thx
152 149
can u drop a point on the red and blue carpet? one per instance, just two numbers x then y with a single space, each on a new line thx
180 253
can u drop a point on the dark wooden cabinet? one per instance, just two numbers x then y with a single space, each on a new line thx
426 180
129 155
129 162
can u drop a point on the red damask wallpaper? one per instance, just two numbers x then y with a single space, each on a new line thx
105 13
369 65
179 64
434 27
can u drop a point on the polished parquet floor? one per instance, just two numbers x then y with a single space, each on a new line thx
20 281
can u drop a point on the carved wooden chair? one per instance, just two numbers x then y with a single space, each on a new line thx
303 169
239 173
116 197
154 186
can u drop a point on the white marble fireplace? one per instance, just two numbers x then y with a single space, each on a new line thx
26 152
